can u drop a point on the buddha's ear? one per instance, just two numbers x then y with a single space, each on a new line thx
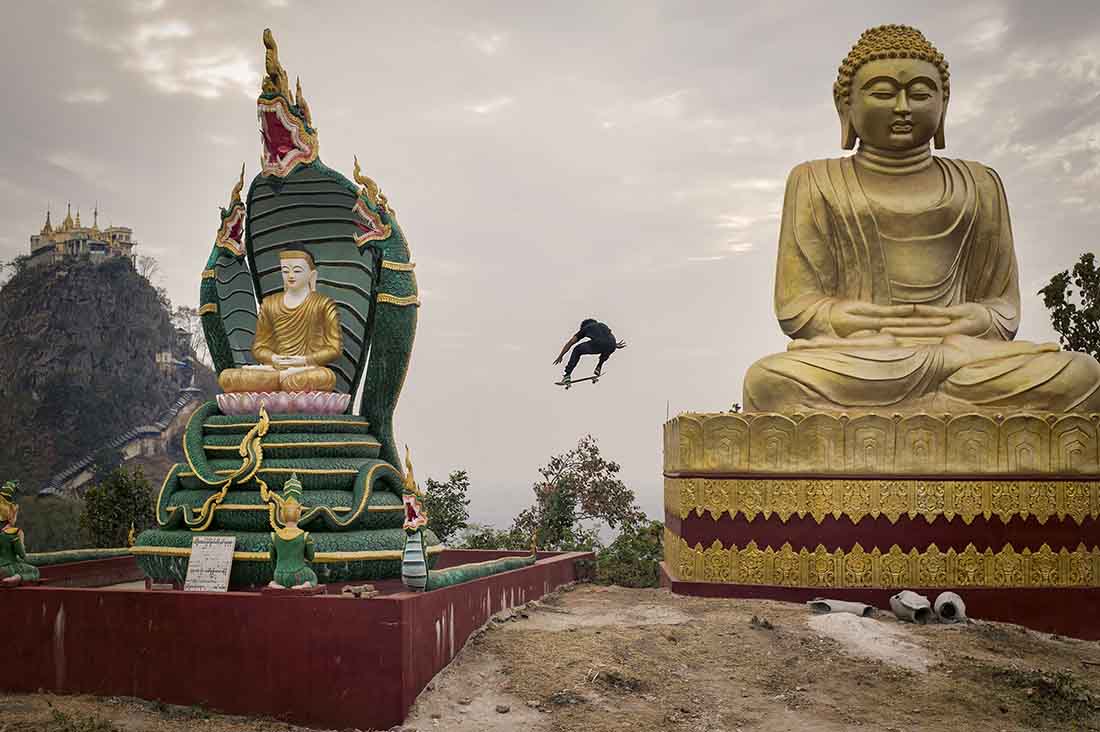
313 279
939 141
847 129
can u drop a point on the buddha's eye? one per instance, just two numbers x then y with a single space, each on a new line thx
920 96
883 94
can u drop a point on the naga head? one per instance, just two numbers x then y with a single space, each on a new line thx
415 517
286 126
231 232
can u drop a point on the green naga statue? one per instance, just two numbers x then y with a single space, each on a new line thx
308 300
416 572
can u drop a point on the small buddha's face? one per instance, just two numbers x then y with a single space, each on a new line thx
298 275
896 104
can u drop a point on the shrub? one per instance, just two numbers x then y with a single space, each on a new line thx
634 557
123 500
51 523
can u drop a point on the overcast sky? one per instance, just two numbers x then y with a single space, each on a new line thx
548 162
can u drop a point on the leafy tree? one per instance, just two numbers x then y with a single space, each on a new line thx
51 523
1075 313
447 505
579 490
123 500
634 557
478 536
106 461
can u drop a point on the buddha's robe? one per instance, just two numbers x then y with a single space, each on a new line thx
836 244
312 329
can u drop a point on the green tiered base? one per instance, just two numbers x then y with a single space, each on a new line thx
351 499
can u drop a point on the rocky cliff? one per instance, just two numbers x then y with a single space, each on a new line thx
78 345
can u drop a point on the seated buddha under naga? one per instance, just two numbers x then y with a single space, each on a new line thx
297 334
897 278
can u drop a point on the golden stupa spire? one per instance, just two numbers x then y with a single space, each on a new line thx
47 228
68 222
78 218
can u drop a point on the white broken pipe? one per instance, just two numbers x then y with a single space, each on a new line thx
821 605
950 608
911 607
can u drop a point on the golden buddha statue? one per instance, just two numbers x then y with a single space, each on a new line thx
896 276
297 333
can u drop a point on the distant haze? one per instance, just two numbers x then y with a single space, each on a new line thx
548 162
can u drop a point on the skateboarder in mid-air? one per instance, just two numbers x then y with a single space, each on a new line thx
600 342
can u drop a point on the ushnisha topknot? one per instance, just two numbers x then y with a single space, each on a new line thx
888 41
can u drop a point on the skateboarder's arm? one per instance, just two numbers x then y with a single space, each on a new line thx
569 344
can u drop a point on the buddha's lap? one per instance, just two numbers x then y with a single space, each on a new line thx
313 378
1034 377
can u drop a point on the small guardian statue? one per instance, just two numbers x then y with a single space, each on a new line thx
14 568
292 548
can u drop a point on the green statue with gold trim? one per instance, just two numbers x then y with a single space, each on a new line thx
14 568
292 548
309 304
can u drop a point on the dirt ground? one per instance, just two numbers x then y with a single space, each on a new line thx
594 659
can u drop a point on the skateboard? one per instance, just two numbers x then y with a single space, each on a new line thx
592 378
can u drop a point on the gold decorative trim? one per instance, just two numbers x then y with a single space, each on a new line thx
299 471
319 557
398 266
208 308
892 498
891 569
209 274
255 507
395 300
827 443
271 445
235 425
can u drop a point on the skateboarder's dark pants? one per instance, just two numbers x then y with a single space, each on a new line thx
588 348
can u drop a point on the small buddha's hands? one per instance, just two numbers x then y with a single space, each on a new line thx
972 319
286 362
851 317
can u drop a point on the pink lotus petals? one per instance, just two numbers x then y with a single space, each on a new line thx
283 402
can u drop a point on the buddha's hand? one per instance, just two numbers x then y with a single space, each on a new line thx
972 319
849 317
285 362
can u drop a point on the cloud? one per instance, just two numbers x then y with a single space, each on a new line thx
147 6
78 164
86 96
489 44
171 59
490 106
765 185
740 222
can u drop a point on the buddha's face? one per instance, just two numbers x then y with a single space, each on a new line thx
298 275
896 104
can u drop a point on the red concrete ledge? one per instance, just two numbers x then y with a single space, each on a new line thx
323 661
1070 611
92 573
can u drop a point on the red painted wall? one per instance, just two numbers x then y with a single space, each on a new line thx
319 660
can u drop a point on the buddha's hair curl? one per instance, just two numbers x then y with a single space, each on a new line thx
883 42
